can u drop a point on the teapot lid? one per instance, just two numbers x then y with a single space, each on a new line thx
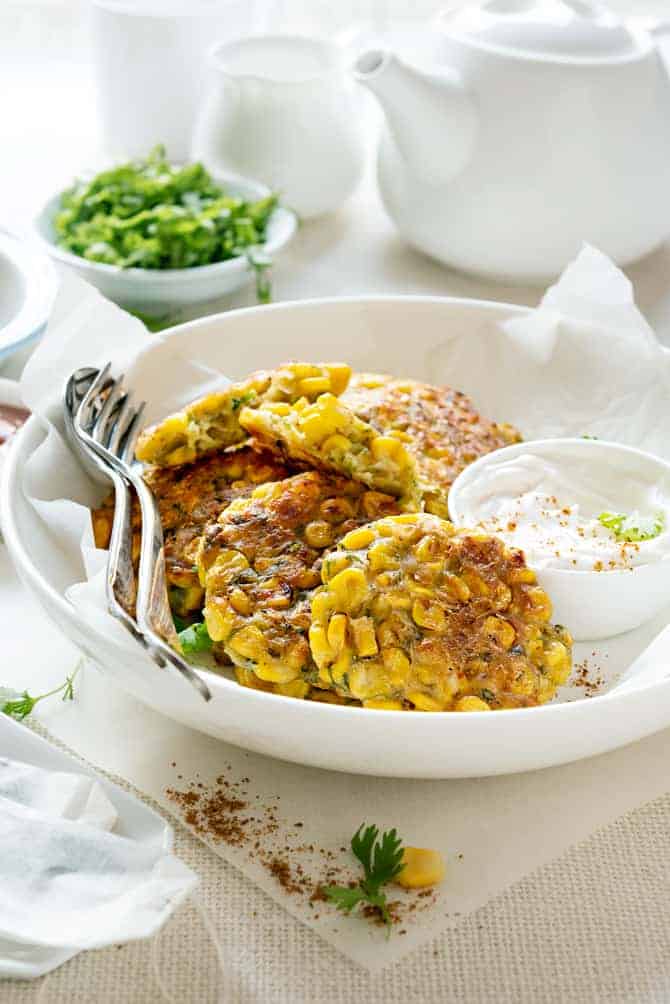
555 29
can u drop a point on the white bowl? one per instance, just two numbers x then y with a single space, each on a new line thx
372 333
28 286
157 292
592 605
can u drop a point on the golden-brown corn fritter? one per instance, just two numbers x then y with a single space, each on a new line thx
326 434
440 426
414 613
261 560
189 497
211 423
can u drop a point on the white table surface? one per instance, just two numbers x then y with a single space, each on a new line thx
591 927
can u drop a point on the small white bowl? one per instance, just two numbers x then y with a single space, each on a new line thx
28 286
592 605
158 292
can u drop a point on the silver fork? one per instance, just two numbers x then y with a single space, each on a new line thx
106 424
120 585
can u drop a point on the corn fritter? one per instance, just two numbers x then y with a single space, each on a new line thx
415 613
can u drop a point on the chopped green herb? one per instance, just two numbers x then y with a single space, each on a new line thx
261 264
381 858
19 705
153 324
195 639
242 399
155 215
634 527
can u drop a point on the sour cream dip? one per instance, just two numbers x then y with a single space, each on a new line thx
592 518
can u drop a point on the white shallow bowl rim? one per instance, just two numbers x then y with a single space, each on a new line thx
285 221
41 284
528 445
10 486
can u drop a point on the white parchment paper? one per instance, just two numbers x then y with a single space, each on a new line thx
594 367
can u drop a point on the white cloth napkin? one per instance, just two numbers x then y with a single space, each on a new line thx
69 877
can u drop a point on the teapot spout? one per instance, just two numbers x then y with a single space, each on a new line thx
431 116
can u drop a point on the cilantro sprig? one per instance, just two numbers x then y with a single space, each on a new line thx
19 704
381 858
632 528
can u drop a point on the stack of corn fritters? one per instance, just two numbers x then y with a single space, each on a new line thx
302 513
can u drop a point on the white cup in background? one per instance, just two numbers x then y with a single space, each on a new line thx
149 58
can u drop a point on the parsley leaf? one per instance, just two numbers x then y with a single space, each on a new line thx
381 858
632 528
19 705
195 638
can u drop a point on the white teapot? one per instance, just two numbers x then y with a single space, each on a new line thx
543 124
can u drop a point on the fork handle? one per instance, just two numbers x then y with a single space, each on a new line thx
153 611
121 585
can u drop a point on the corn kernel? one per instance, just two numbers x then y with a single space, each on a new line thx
218 620
396 665
275 672
357 539
348 588
319 534
318 643
521 576
397 601
279 408
428 615
333 565
540 603
365 641
423 702
339 374
326 697
471 703
249 643
182 455
386 634
337 632
295 688
341 666
379 704
320 606
427 549
475 583
501 630
228 564
404 519
380 556
420 868
336 444
240 601
385 448
312 386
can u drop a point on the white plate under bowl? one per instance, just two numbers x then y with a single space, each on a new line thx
408 336
27 289
157 292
